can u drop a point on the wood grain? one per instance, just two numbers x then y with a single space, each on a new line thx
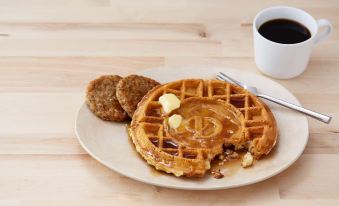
50 49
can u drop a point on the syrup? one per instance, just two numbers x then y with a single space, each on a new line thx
206 123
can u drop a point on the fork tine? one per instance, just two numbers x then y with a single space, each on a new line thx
230 79
221 78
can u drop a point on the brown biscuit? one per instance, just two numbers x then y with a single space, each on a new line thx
131 89
102 100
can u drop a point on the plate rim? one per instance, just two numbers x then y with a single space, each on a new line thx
183 187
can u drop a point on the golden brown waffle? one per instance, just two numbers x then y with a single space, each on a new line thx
215 114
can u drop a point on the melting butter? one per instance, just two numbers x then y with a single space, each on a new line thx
169 102
174 121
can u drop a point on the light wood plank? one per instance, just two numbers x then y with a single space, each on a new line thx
164 11
145 31
32 113
50 49
65 74
59 3
130 39
311 177
323 143
98 47
10 202
39 144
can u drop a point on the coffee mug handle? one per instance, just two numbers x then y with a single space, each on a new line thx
320 36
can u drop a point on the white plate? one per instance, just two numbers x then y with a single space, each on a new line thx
109 143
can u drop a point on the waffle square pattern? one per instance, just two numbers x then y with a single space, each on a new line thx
215 115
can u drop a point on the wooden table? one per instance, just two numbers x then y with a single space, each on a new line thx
50 50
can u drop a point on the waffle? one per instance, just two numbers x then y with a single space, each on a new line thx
216 115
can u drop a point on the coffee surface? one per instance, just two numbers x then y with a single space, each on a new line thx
284 31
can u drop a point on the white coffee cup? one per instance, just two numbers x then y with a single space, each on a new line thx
284 61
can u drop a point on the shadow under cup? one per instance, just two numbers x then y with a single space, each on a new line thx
279 60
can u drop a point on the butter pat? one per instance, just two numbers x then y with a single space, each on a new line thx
174 121
247 160
169 102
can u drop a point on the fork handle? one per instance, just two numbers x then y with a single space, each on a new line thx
318 116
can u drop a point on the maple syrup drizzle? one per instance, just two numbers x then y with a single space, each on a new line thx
205 124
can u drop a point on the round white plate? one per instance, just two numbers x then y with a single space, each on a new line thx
109 143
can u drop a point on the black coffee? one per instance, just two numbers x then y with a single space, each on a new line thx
284 31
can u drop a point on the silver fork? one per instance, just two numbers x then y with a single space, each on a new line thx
318 116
